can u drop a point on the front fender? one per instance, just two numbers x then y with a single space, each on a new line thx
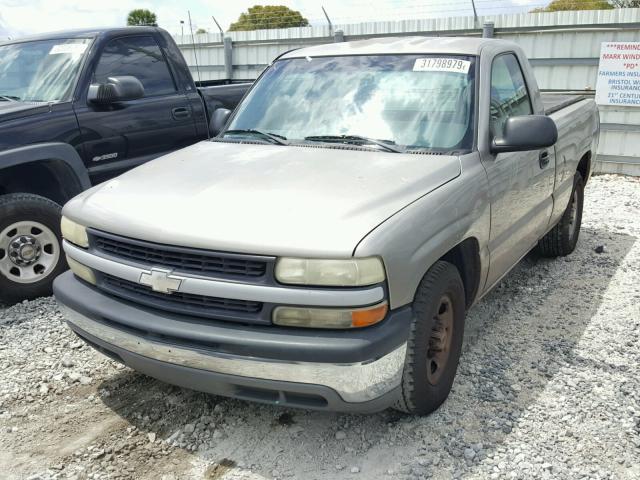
413 239
62 155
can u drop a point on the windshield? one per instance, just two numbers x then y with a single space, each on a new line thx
40 71
413 101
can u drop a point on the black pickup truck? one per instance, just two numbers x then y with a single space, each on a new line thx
78 108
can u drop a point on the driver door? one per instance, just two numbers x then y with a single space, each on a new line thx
520 183
120 136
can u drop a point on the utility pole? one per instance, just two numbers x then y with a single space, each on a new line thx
475 14
181 28
488 30
328 20
193 42
218 25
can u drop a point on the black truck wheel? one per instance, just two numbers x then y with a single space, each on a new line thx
31 253
435 340
561 240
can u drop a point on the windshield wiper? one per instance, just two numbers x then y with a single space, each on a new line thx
9 98
274 137
386 144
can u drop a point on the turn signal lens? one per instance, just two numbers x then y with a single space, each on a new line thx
352 272
74 232
366 317
81 270
329 317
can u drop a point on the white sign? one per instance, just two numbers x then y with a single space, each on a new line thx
455 65
72 48
619 74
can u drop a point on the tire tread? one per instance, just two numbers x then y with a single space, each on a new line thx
556 243
10 204
429 283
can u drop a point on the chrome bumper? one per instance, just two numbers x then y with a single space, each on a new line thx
359 382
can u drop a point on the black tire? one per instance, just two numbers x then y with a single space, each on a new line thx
23 207
420 395
562 239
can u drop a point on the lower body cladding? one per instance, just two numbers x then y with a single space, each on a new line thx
357 370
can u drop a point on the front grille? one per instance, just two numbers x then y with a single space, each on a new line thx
183 303
187 260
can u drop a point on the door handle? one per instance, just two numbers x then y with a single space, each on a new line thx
179 113
543 158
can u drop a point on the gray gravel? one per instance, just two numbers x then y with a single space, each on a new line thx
548 388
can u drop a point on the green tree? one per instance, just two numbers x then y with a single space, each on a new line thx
625 3
261 17
200 30
560 5
141 16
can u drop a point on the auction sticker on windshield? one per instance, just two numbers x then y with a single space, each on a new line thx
454 65
72 48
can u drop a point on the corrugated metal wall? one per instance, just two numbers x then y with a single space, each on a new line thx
563 47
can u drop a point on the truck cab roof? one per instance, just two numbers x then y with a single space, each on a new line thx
398 46
82 33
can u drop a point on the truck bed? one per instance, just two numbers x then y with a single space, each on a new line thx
557 101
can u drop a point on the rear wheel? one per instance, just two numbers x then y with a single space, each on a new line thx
563 238
435 340
30 246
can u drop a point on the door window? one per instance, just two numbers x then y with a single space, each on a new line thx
509 96
139 56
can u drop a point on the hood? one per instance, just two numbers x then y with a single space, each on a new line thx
11 110
262 199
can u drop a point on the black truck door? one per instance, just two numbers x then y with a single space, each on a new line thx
119 136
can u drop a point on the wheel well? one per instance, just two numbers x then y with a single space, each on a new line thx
466 258
584 166
52 179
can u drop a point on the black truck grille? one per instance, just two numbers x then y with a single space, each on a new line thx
183 303
187 260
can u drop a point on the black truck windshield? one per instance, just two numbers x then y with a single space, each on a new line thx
409 101
40 71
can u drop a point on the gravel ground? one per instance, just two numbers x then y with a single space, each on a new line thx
548 387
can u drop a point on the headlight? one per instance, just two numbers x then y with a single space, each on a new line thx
81 270
352 272
74 232
329 317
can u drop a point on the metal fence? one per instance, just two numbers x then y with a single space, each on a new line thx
563 47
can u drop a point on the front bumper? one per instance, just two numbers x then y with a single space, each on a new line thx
357 370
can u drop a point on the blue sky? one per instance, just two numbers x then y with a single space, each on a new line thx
20 17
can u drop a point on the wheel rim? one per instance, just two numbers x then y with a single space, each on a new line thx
29 251
440 340
573 214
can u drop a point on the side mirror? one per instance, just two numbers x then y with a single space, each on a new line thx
218 121
117 89
527 132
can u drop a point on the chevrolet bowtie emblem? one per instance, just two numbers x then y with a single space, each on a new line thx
161 280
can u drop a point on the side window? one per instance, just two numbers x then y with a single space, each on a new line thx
137 56
509 95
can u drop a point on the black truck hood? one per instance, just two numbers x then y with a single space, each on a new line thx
12 110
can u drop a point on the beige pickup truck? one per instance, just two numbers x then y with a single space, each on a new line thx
323 249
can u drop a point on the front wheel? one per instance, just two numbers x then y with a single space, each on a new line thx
435 340
30 246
